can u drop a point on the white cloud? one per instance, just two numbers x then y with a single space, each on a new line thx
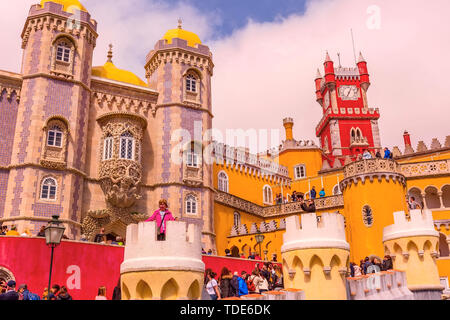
265 71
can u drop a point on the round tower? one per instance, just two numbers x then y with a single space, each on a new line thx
162 270
315 256
48 160
371 189
413 243
180 68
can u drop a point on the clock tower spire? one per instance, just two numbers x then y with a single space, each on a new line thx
348 125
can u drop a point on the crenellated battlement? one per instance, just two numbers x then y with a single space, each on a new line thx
180 251
329 232
418 224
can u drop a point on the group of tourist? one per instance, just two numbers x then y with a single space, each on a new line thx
371 265
368 155
265 278
8 291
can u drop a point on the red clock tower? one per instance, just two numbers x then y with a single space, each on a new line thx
348 125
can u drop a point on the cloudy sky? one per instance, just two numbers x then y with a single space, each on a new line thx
266 54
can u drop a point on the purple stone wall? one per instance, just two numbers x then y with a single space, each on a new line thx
36 52
166 145
80 134
46 210
8 117
76 198
26 123
17 191
167 83
4 175
58 100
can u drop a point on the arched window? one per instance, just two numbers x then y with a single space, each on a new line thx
267 195
336 190
223 182
48 189
367 215
191 83
108 148
191 204
358 133
352 134
63 52
126 146
54 138
237 219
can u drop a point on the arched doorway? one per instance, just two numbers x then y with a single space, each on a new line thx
6 274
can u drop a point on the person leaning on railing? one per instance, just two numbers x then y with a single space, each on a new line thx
309 206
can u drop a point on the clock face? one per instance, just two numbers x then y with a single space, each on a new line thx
349 92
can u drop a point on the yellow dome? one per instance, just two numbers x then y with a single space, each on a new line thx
69 5
109 71
191 38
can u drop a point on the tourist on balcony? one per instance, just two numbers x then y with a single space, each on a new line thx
227 253
387 263
41 232
234 283
309 206
367 155
313 192
13 232
322 193
412 204
378 154
387 153
161 216
99 237
294 196
4 230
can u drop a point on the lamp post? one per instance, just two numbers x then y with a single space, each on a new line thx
53 235
259 239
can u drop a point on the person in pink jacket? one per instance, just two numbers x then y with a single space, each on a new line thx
161 216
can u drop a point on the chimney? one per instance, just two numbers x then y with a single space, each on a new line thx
288 123
407 139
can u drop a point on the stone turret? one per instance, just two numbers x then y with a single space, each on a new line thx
413 243
315 256
162 270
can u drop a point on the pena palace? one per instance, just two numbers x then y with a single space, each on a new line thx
94 145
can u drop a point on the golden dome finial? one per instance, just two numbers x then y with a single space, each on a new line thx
110 54
180 23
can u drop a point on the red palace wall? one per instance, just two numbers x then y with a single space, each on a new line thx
81 266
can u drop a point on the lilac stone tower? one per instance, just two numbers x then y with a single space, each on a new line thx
180 69
48 152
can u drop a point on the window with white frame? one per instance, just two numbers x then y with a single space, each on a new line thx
237 219
267 195
108 148
191 83
55 136
48 189
63 52
126 146
300 171
193 156
191 204
223 182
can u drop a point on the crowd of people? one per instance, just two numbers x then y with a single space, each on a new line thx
371 265
264 277
8 291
